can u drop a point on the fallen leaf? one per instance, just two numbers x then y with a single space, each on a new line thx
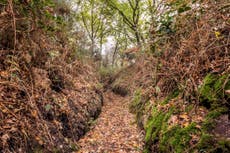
4 138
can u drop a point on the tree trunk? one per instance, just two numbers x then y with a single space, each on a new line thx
114 53
137 35
92 47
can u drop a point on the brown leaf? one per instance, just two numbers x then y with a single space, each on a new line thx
4 138
227 92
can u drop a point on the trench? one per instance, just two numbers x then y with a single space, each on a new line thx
114 130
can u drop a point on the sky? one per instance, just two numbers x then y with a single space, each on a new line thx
107 47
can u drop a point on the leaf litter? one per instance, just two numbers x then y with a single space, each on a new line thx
114 131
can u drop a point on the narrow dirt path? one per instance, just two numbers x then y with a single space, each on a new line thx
114 130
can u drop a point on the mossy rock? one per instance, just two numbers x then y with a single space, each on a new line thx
177 139
167 139
162 138
212 92
209 122
156 125
208 142
138 106
136 101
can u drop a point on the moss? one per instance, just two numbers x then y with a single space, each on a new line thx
156 124
209 123
223 146
205 143
136 101
174 139
216 112
162 138
177 138
212 93
138 105
208 142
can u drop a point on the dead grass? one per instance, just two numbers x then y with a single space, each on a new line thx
198 47
46 100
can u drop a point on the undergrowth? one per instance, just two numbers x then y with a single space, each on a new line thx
212 91
186 120
163 137
46 100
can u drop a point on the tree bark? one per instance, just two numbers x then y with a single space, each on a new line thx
114 53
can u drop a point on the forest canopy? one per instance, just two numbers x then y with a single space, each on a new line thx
169 59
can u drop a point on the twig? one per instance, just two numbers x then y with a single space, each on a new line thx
14 22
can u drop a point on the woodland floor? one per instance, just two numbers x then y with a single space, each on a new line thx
114 131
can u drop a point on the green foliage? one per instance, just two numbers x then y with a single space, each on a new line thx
183 9
216 112
3 2
95 20
177 138
166 24
208 143
107 72
130 12
136 101
212 95
212 91
138 105
156 123
41 12
209 122
180 5
168 17
223 146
